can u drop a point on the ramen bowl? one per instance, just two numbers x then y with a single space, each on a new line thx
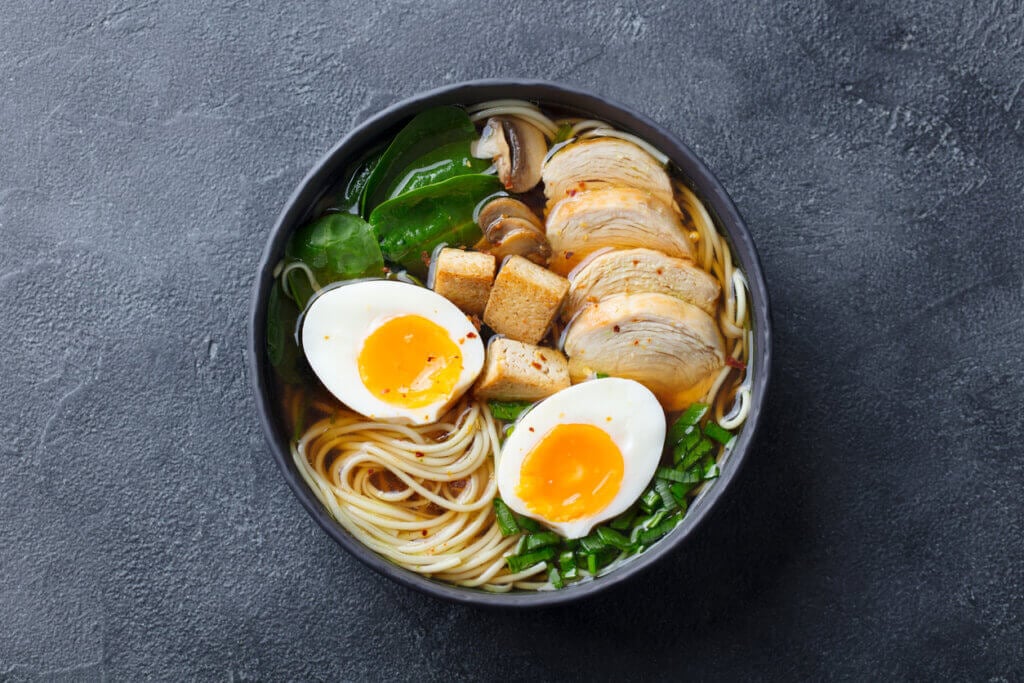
306 202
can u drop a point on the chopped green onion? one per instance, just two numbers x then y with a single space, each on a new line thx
555 578
571 543
663 487
542 539
613 538
527 524
592 543
646 523
607 556
688 442
567 565
718 433
506 520
712 472
520 545
601 375
592 563
703 447
690 417
507 411
652 534
517 563
679 492
625 520
687 477
650 501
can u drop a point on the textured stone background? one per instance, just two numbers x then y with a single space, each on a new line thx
876 154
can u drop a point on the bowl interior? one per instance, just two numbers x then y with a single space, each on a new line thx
303 205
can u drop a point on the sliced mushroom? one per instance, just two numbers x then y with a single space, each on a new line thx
502 225
671 347
518 149
523 240
501 207
617 217
632 271
602 162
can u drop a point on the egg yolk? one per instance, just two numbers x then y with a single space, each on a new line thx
574 471
410 361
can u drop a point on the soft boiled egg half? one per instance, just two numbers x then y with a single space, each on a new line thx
583 455
391 350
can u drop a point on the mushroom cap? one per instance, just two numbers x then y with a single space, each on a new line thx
671 347
516 237
502 207
632 271
617 217
517 148
602 162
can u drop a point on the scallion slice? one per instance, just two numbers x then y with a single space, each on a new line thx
506 520
555 577
718 433
624 521
592 563
542 539
527 524
690 417
652 534
517 563
650 501
592 543
687 477
613 538
664 489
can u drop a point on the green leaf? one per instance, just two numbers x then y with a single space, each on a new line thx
507 411
426 132
410 226
282 351
447 161
356 183
338 246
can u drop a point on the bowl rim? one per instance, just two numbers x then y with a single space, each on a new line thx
324 173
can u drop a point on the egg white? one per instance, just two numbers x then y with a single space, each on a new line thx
337 322
637 427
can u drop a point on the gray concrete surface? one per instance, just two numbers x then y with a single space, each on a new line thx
875 150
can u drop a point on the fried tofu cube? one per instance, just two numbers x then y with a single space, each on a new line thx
524 300
514 371
464 278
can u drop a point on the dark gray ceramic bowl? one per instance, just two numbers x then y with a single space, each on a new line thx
300 208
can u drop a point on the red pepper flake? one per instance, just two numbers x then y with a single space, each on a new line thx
571 193
430 359
386 270
537 365
425 257
471 335
617 329
385 391
423 532
734 363
636 262
419 454
636 342
658 271
569 254
532 429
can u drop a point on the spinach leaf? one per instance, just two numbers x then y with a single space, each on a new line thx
447 161
282 351
411 225
338 246
356 183
426 132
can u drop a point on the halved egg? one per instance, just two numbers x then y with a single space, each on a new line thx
391 350
582 455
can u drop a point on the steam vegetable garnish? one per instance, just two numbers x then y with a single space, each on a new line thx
658 511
